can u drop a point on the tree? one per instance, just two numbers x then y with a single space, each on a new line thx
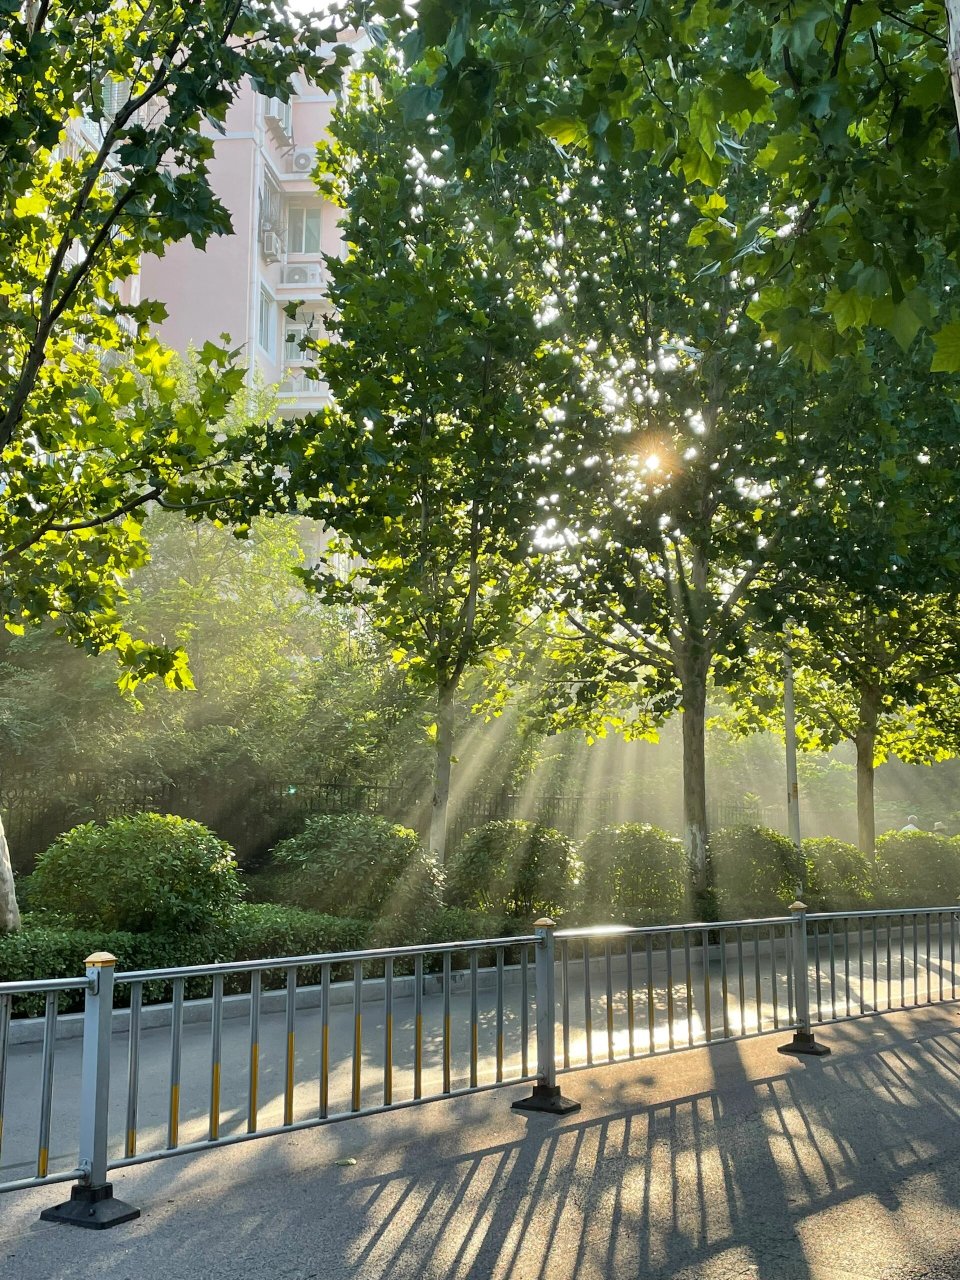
444 385
665 525
103 158
882 676
845 107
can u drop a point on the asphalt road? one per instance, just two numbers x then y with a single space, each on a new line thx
721 1162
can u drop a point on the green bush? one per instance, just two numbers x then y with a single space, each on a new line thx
515 869
839 876
632 874
917 869
356 865
248 932
756 871
149 871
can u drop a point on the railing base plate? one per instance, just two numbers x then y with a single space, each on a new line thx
804 1042
92 1207
547 1098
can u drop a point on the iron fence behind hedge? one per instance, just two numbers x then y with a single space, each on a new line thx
253 814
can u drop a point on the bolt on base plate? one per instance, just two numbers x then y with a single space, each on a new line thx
92 1207
803 1042
547 1098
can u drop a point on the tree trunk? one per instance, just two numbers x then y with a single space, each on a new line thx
953 53
695 782
9 911
865 742
441 778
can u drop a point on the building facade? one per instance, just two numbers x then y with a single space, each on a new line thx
241 284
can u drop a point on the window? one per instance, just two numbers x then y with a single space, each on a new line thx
303 229
267 322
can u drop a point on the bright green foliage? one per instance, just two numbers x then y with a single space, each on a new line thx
150 871
632 874
93 423
248 931
443 379
757 871
514 868
839 876
356 865
845 108
917 869
260 931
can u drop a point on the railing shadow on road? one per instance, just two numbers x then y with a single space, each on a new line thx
651 1189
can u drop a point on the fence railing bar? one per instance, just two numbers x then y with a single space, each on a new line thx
216 1043
133 1070
608 962
5 1015
387 1032
46 1082
565 994
253 1069
176 1034
668 941
566 1023
357 1058
290 1056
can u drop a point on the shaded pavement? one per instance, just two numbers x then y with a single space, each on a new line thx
711 1163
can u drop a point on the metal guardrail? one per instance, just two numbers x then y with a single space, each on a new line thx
601 994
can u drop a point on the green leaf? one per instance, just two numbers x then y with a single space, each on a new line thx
947 348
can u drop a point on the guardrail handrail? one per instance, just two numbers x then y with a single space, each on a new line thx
677 986
325 957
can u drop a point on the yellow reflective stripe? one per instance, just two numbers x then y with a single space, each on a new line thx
42 1162
356 1066
174 1114
215 1101
324 1070
131 1148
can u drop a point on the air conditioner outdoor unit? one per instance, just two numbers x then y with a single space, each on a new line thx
302 273
304 160
272 247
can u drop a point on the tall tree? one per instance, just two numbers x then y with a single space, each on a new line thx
881 676
664 526
444 386
103 158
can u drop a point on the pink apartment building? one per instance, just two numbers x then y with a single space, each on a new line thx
240 284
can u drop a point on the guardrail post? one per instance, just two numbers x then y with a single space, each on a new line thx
803 1040
92 1203
546 1094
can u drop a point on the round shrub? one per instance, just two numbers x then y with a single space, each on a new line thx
148 871
756 871
632 874
839 876
358 865
917 869
513 868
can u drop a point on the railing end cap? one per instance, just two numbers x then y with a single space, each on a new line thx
545 923
100 960
798 906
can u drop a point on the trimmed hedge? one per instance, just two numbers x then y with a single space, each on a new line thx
356 865
147 872
756 871
632 874
917 869
839 876
249 932
515 869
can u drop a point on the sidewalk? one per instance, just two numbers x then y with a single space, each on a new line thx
711 1164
